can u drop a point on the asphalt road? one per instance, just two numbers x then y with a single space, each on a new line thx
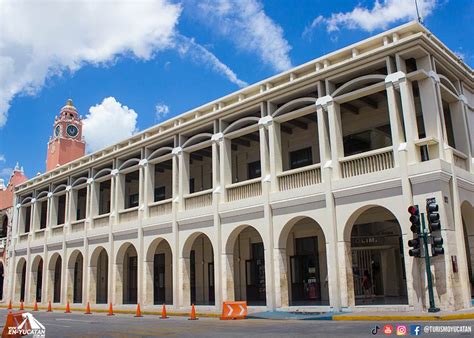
99 325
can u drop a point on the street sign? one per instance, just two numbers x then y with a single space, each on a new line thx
234 310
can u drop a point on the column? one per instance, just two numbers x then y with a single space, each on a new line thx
396 127
175 244
275 155
335 133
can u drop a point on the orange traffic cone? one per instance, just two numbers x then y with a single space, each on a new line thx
68 309
21 306
111 311
88 309
139 312
10 305
49 307
11 322
36 306
193 313
163 312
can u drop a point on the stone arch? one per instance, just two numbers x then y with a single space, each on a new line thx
36 279
55 278
198 270
302 247
126 265
358 83
159 272
75 273
246 275
20 284
376 258
467 215
99 276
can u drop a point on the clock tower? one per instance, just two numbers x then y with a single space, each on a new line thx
67 143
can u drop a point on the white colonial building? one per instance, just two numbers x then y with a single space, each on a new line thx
284 194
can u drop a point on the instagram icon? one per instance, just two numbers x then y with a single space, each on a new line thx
401 330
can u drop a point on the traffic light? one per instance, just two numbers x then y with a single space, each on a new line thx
433 215
415 244
437 246
414 219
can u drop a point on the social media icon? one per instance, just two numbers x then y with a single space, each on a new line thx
401 330
415 330
375 330
388 329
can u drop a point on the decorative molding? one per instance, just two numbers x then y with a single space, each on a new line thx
68 188
265 121
402 147
143 163
432 176
50 194
90 181
395 77
114 172
177 151
463 99
367 188
432 74
217 137
298 201
324 101
33 201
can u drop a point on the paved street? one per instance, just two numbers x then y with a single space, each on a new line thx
99 325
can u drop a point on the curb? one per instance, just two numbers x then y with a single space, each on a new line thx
460 316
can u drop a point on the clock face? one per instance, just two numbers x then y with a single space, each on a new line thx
57 131
72 130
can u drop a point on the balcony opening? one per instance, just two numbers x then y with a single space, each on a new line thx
449 124
132 181
61 209
81 203
4 227
27 218
245 151
366 124
200 170
104 197
163 181
43 214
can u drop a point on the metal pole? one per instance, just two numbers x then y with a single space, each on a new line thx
424 234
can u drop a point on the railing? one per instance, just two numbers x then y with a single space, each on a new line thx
198 200
57 230
245 189
77 226
128 215
101 221
300 177
160 208
460 159
368 162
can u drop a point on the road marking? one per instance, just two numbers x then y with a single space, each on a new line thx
47 324
75 320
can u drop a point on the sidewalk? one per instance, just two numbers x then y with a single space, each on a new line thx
367 316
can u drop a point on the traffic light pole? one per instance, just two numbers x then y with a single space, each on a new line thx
424 234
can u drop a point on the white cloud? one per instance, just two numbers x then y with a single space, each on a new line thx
2 158
382 14
187 47
248 26
41 39
107 123
161 111
5 173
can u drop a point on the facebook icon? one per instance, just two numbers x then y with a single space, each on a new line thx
415 330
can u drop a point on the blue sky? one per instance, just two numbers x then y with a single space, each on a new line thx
136 65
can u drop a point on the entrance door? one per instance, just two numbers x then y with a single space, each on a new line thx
132 280
57 282
159 279
370 261
39 281
305 275
210 278
192 276
77 292
23 283
255 276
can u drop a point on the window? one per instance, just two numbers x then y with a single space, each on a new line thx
133 201
191 185
160 194
27 219
254 170
43 216
81 204
301 158
104 197
61 209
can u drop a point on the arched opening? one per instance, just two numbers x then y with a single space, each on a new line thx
467 214
20 280
199 270
37 278
99 276
159 268
1 280
303 245
249 266
75 276
378 264
55 271
127 277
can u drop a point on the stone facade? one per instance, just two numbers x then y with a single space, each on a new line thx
290 194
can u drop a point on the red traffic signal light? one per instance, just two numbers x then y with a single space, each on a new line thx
414 218
413 210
